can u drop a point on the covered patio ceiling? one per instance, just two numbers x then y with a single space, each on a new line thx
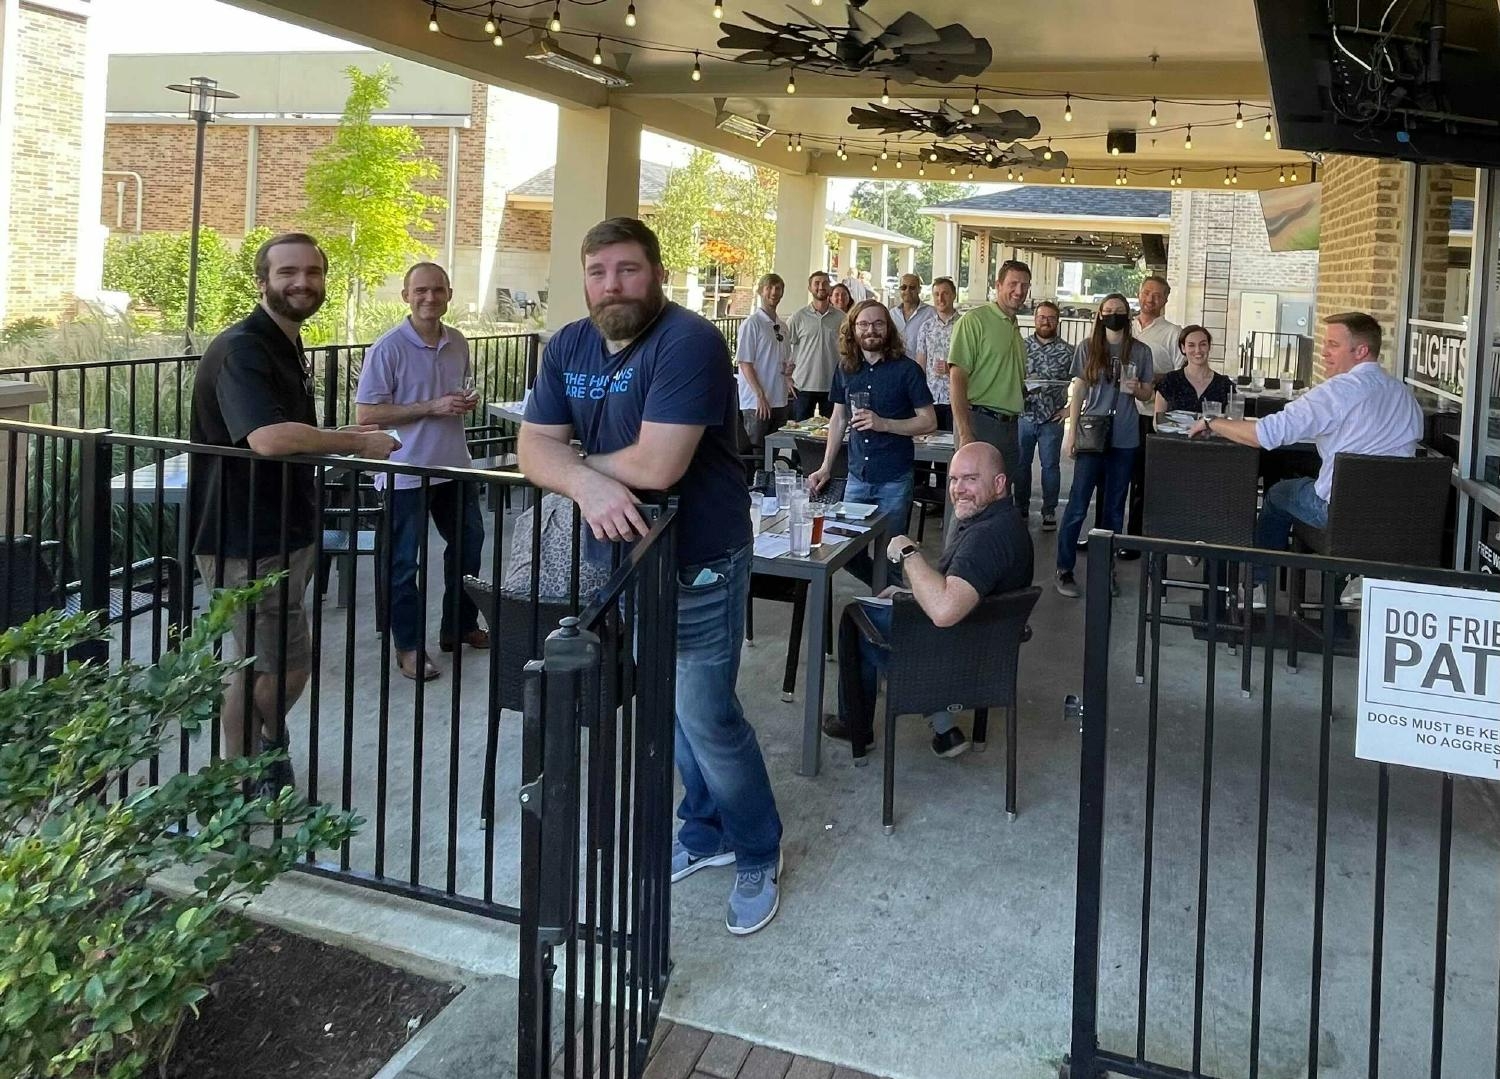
1201 62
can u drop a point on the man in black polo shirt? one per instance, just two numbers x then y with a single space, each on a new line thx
988 552
253 390
881 394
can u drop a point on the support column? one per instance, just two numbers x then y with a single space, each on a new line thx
848 258
979 269
881 270
801 221
598 175
909 261
945 249
10 26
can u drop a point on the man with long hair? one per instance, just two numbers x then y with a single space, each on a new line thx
647 389
880 394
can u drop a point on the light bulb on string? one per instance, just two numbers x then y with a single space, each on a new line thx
971 174
1020 177
885 91
718 10
499 34
933 159
1267 135
598 51
697 68
555 23
898 159
1281 176
921 168
788 144
952 170
1294 174
1115 150
630 15
432 23
874 166
1234 177
1226 177
1153 121
974 108
791 82
1124 178
489 23
799 142
1047 153
1187 143
989 157
884 153
1068 108
1010 174
1239 114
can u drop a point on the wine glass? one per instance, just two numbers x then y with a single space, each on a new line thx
467 386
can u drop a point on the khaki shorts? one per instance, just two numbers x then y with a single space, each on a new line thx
269 611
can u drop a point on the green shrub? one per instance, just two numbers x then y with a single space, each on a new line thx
153 269
96 969
25 331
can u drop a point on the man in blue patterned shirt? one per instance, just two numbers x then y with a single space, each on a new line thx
1049 366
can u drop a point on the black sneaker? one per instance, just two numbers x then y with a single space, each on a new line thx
951 743
1049 521
837 729
1066 585
279 774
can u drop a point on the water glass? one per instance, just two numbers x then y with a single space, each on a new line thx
1212 409
467 386
800 530
799 501
858 401
1236 406
786 483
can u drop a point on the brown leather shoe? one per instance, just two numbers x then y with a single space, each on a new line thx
407 664
475 638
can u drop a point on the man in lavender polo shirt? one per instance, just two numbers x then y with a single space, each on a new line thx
414 380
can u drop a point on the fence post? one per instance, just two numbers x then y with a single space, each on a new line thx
1096 650
95 533
550 782
330 387
533 352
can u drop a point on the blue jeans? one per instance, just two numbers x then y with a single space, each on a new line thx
1046 437
727 802
1286 502
1109 470
453 507
894 498
857 688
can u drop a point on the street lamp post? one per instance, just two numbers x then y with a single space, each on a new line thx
203 98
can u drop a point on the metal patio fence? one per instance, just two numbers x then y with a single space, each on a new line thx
1253 899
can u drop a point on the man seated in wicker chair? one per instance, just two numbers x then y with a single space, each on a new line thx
986 554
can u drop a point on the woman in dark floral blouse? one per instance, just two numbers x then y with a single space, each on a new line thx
1186 388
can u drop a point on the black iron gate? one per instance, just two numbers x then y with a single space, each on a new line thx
1251 898
596 787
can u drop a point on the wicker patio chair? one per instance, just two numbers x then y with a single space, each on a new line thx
973 664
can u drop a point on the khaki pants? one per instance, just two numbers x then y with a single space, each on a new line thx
271 613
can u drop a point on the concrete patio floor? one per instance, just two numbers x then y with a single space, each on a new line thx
945 951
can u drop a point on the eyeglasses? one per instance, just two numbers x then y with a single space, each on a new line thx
870 325
911 288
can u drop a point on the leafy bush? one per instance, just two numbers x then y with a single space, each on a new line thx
153 269
25 331
96 969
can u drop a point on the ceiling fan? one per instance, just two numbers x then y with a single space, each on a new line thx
909 48
948 122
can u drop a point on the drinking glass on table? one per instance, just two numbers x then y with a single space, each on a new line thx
786 483
799 529
1212 410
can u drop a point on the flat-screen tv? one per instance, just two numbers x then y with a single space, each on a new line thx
1417 80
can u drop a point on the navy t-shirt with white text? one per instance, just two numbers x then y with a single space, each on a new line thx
678 372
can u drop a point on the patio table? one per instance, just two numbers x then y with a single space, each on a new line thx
817 569
506 411
172 491
927 448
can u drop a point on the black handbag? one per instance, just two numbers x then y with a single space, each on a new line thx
1092 434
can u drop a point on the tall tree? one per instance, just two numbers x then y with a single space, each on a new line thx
683 217
364 202
747 218
895 204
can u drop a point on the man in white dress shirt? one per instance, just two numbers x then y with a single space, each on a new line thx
764 360
911 314
1360 408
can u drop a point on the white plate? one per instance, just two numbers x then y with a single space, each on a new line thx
857 511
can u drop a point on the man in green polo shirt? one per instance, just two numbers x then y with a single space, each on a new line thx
987 368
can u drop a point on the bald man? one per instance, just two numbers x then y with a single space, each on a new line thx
911 315
988 552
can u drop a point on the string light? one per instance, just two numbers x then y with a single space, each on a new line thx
971 174
1234 177
884 153
898 159
697 68
1010 174
1124 178
874 165
952 170
499 38
598 51
1115 149
989 157
630 15
1281 176
921 168
555 23
974 108
1267 135
799 142
1152 121
1020 177
1294 174
933 159
1226 177
718 10
788 144
489 23
885 91
1047 153
432 23
791 82
1068 108
1187 143
1239 114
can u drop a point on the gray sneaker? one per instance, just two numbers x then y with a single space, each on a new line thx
685 863
754 900
1066 585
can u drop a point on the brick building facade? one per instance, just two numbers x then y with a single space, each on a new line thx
50 70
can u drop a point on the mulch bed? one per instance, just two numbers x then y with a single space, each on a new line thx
284 1005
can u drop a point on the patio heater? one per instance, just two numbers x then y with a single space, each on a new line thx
203 99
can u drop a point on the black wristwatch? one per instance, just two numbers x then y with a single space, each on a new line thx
908 551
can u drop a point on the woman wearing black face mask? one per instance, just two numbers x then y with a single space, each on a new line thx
1111 371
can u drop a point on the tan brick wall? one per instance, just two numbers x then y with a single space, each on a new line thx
1435 213
525 230
47 160
1359 250
163 156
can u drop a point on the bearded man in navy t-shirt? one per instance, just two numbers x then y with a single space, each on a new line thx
647 389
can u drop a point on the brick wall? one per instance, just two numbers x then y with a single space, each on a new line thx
1359 250
526 230
1435 212
47 160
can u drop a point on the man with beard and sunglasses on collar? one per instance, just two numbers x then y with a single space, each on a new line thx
253 390
647 390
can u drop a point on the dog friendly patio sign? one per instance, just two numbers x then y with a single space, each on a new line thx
1429 678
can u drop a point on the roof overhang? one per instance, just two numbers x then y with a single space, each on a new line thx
998 219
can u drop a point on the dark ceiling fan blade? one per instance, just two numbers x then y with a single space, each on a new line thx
910 30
